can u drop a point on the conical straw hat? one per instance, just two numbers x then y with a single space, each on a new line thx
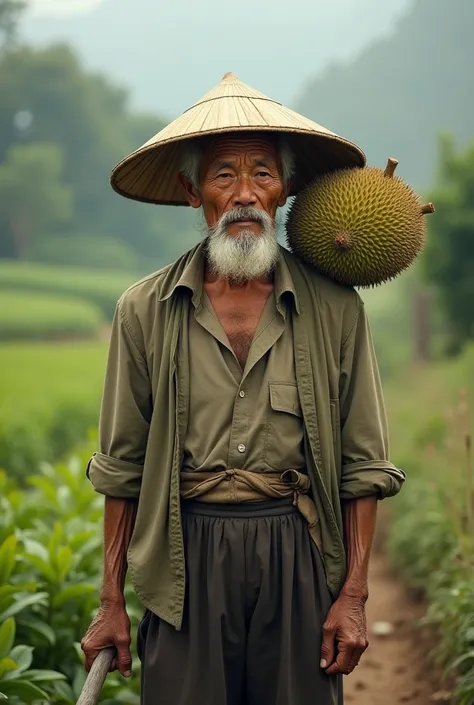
150 173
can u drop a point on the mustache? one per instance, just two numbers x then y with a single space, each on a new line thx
244 213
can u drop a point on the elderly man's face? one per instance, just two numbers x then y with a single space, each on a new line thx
238 171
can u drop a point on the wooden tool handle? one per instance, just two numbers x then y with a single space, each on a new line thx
95 680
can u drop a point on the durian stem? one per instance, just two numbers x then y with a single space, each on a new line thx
428 208
390 168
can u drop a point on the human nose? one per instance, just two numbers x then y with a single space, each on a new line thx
244 193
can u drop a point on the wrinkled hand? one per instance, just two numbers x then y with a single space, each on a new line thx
110 627
344 635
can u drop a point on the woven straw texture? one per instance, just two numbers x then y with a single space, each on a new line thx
150 173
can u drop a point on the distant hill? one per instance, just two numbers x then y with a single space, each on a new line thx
393 98
403 90
170 53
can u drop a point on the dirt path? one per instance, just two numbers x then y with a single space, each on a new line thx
393 669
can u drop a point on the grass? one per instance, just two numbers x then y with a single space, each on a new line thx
431 412
101 288
50 396
33 374
32 316
389 311
419 401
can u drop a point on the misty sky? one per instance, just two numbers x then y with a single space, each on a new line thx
170 52
62 7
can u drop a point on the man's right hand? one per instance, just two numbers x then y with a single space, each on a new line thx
110 627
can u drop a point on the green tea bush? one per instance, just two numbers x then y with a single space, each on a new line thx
26 316
51 561
84 251
432 541
19 683
101 288
26 443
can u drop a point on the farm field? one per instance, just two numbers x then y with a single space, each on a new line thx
49 399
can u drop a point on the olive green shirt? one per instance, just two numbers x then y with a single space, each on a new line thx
145 416
248 419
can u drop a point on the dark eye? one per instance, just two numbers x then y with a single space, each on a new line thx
224 175
263 173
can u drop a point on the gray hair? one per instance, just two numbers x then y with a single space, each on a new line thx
192 153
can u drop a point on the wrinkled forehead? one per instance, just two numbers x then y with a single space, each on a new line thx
252 145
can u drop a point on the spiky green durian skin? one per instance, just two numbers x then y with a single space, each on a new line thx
379 216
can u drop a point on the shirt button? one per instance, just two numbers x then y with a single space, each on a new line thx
241 448
241 394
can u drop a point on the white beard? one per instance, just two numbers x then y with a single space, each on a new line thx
246 256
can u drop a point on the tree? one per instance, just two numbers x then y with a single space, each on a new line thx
33 200
449 255
399 100
48 97
10 13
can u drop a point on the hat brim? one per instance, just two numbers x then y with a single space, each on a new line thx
150 174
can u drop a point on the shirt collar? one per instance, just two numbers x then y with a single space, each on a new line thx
193 276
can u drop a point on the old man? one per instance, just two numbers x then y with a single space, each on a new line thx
243 438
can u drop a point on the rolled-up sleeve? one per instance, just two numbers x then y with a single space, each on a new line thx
116 469
366 468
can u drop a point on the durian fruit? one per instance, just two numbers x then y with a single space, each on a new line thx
360 227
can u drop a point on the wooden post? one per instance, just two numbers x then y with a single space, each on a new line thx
421 326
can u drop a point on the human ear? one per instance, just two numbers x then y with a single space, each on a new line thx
192 194
284 194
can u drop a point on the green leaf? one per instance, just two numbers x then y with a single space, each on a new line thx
79 652
7 637
7 558
7 593
79 680
35 548
55 540
39 598
64 559
43 566
24 690
89 548
469 656
73 592
7 590
65 691
47 487
40 675
68 476
41 628
23 657
78 540
7 665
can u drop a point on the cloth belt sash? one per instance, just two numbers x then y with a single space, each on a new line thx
235 486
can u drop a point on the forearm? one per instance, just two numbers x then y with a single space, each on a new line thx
359 516
119 521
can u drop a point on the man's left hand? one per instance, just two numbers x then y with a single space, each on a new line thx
344 635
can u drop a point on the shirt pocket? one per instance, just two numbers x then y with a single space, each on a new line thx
283 445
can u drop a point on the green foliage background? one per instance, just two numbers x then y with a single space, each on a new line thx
50 568
69 247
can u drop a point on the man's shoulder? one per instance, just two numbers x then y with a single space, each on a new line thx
153 288
326 290
151 282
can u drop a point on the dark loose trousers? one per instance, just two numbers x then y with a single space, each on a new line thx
256 601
